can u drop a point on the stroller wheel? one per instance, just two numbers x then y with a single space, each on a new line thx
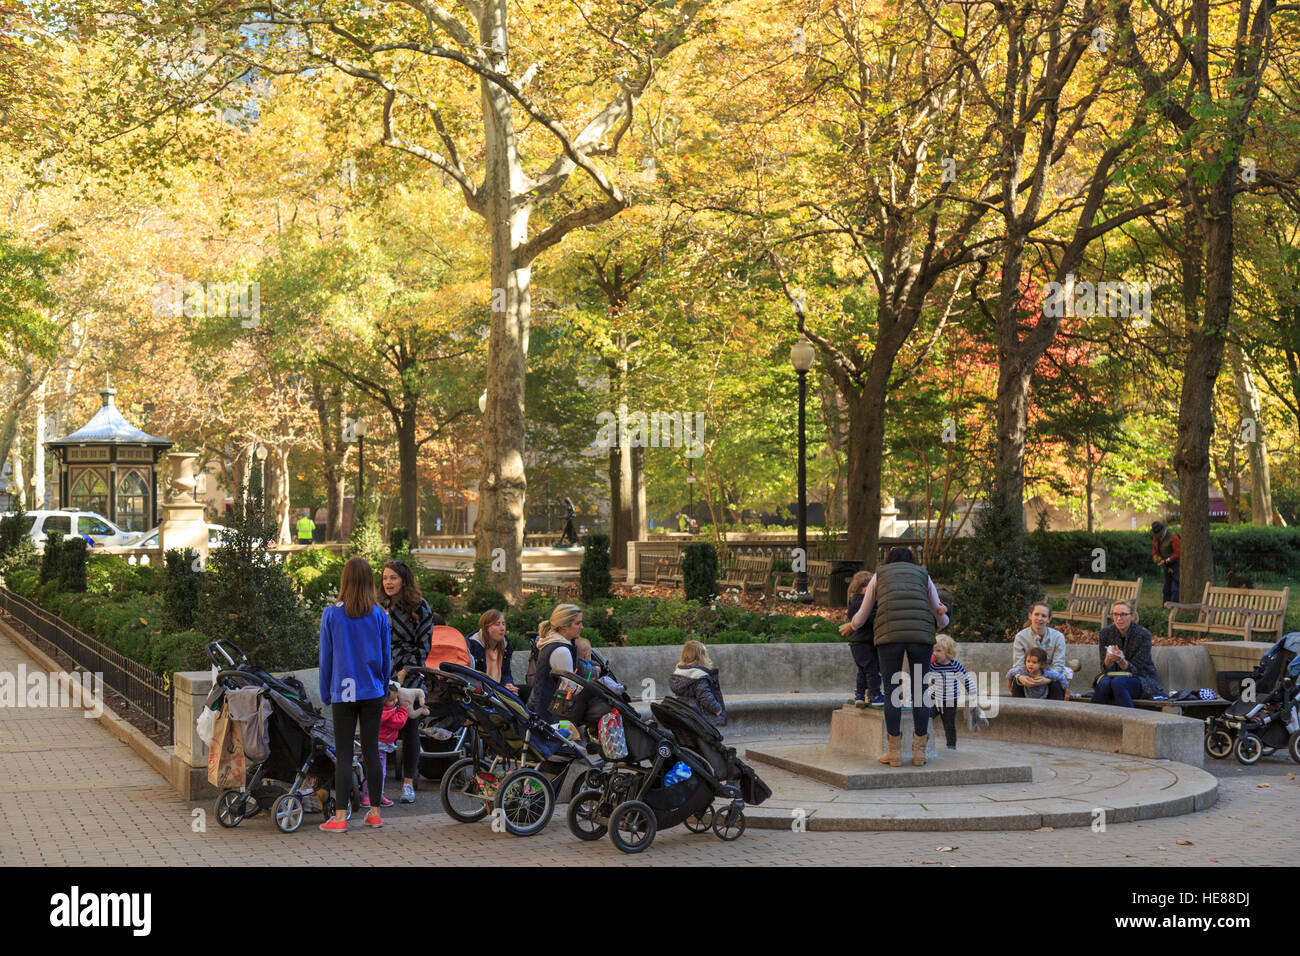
288 812
702 823
729 824
526 800
1249 748
584 816
1293 746
1218 744
632 826
230 808
459 793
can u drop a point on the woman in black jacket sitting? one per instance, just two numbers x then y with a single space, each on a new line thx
411 622
490 649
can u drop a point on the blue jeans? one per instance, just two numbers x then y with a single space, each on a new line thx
1120 691
864 656
891 670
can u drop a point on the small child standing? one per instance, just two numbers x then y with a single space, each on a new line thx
947 676
391 721
1035 665
862 643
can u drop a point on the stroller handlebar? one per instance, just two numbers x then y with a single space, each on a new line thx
219 647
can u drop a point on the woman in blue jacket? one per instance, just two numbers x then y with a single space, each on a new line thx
355 661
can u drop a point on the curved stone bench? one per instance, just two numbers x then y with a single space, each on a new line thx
1051 723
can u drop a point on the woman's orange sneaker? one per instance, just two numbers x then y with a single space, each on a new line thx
335 825
373 819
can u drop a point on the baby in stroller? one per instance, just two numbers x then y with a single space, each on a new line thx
1265 717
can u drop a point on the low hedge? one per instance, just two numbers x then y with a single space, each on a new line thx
119 614
1256 552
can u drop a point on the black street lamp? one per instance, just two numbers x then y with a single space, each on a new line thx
359 428
801 357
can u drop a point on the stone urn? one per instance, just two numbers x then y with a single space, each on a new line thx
182 482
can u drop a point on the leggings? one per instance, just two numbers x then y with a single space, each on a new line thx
891 671
346 716
410 737
948 714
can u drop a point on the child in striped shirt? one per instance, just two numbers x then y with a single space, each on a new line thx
947 677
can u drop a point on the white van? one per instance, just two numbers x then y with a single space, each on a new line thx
100 529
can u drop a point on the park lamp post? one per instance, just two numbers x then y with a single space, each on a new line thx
801 357
359 429
260 454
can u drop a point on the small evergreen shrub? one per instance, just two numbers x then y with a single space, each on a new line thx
594 578
72 565
439 603
366 539
999 578
51 558
479 599
700 571
399 542
181 593
16 548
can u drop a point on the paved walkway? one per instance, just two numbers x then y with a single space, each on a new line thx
71 794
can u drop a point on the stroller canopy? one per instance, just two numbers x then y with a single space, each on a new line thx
447 646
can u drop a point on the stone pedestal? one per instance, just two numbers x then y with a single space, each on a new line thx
182 523
862 731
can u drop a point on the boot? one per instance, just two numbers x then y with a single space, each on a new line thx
918 750
893 756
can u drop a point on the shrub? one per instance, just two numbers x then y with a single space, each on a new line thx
600 615
465 623
183 651
656 637
399 541
72 565
16 548
480 598
319 559
249 599
442 583
999 578
700 571
23 581
110 575
593 635
593 577
50 559
366 539
736 637
181 592
439 603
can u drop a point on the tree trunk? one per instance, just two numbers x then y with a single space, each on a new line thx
334 452
21 497
408 455
1088 480
499 529
621 501
1261 491
639 515
9 424
1211 258
277 492
38 451
865 454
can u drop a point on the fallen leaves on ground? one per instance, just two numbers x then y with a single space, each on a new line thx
1184 843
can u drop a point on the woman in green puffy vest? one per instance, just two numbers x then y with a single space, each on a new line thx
908 615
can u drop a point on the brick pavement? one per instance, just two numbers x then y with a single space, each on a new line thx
71 794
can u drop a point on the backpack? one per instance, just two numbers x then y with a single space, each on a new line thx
530 677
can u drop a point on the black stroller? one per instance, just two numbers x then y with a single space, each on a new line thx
519 766
298 774
653 781
1265 717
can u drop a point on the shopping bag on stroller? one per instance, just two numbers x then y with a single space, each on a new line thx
226 752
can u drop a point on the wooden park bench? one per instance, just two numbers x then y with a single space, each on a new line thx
819 582
1234 612
669 572
1090 599
749 573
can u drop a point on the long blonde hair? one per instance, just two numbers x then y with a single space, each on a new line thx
562 616
693 653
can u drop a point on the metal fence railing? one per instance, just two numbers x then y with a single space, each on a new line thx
144 691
